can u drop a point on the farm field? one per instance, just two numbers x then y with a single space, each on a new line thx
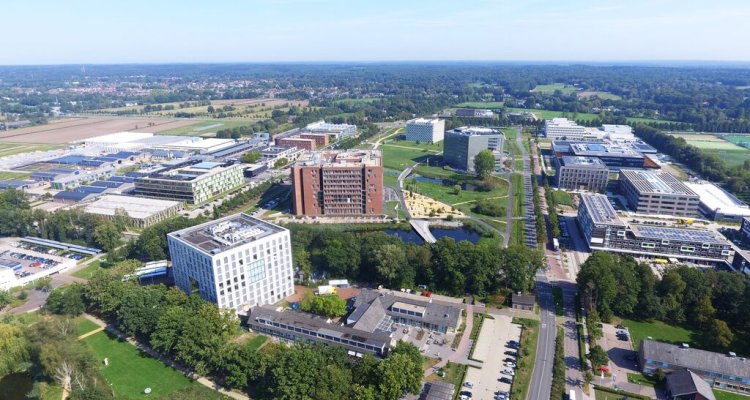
551 89
732 154
130 371
350 101
549 114
84 128
10 149
601 95
207 128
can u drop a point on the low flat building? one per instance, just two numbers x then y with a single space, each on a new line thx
425 130
616 156
523 301
721 370
565 129
192 182
461 145
581 173
140 212
474 113
295 326
337 130
16 184
276 153
686 385
439 390
658 193
718 204
603 230
321 139
377 309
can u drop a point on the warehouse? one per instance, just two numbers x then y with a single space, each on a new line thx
718 204
141 212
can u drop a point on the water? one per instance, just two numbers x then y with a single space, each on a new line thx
15 386
458 235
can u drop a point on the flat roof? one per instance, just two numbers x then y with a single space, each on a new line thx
682 234
655 182
135 207
409 307
119 137
695 359
217 236
717 199
349 158
475 131
592 162
602 149
600 209
423 121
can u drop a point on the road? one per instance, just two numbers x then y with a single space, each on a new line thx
541 378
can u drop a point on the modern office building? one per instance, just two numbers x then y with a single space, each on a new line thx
604 230
295 326
235 262
140 212
658 193
338 183
565 129
724 371
338 130
581 173
461 145
741 261
718 204
474 113
276 153
425 130
192 182
615 156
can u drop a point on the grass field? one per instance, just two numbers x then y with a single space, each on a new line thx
350 101
562 197
732 154
722 395
602 395
10 149
84 325
740 140
444 193
659 331
89 270
130 371
4 175
402 154
551 89
257 342
203 128
601 95
481 104
390 178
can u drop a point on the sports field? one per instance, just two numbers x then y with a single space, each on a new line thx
732 154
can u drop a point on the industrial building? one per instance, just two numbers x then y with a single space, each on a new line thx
474 113
604 230
140 212
581 173
425 130
723 371
295 326
338 183
658 193
236 262
191 181
718 204
614 156
337 130
461 145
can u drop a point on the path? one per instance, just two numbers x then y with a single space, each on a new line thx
378 142
541 377
462 351
148 350
474 201
422 227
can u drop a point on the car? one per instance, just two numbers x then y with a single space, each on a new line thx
465 395
509 359
624 338
511 353
501 397
508 371
619 326
505 379
510 364
469 384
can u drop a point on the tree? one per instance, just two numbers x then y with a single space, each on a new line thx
251 157
598 356
719 335
210 109
329 305
484 163
67 300
107 235
13 348
456 189
396 377
391 259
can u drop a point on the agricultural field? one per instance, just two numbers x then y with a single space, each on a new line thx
602 95
206 128
732 154
481 104
10 149
551 89
249 108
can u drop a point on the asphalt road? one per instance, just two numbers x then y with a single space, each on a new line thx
541 378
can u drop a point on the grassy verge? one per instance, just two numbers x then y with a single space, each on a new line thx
475 329
89 270
526 357
661 331
723 395
557 295
460 333
640 379
603 393
84 325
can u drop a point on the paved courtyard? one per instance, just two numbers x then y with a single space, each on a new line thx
431 344
489 349
619 352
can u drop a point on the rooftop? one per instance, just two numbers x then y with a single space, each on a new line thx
440 390
351 158
135 207
216 236
433 311
188 171
655 182
600 209
684 383
717 199
327 126
592 162
423 121
680 234
604 150
474 131
527 299
698 360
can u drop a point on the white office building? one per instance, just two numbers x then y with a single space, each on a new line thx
338 130
565 129
236 262
425 130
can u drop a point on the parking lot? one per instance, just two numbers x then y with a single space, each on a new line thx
32 258
431 344
620 351
490 349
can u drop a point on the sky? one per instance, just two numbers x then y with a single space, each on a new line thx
183 31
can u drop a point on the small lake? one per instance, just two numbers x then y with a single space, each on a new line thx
15 386
458 235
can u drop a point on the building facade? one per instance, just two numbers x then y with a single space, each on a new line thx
236 262
461 145
582 173
191 182
565 129
338 183
720 370
140 212
338 130
425 130
299 142
604 230
659 193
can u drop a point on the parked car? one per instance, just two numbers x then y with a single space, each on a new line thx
508 371
505 379
469 384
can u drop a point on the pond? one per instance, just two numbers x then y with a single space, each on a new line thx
458 235
15 386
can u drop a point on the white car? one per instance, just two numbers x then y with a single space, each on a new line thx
508 372
469 384
509 364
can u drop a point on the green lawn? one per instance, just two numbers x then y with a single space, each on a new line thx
84 325
445 193
562 197
723 395
9 149
549 114
481 104
557 295
640 379
351 101
402 154
390 178
257 342
602 395
130 371
203 127
4 175
551 89
602 95
659 331
527 355
390 209
89 270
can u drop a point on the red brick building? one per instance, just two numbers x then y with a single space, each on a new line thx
300 143
338 183
321 139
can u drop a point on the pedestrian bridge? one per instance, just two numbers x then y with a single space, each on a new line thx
422 227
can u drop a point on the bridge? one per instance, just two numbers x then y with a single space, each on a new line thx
422 227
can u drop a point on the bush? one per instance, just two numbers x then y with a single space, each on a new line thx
489 208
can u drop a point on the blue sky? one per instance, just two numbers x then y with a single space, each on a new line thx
138 31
